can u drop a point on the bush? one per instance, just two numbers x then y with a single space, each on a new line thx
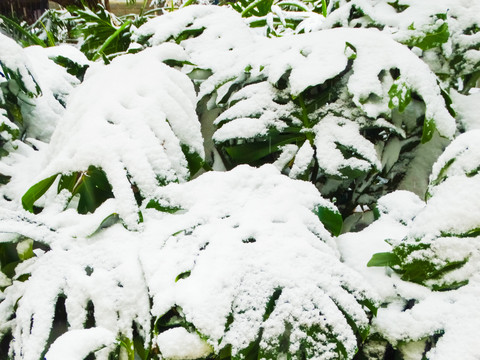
187 186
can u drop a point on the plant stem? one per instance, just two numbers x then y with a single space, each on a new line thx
110 39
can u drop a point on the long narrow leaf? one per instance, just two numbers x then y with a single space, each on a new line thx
36 191
110 39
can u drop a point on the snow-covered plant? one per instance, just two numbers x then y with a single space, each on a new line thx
127 144
308 108
307 111
17 85
441 249
414 321
33 89
114 246
101 33
444 36
237 265
278 18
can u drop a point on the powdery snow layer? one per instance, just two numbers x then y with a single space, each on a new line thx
41 86
55 83
78 344
413 312
309 65
12 56
460 158
260 64
443 31
247 223
466 107
443 236
137 131
239 241
179 344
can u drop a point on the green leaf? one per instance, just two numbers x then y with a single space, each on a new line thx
68 182
110 220
263 7
36 191
400 96
350 51
110 39
250 153
331 219
442 174
25 249
188 33
431 39
93 188
428 130
451 286
73 68
195 161
270 306
154 204
8 258
398 7
324 8
26 38
384 259
183 275
128 345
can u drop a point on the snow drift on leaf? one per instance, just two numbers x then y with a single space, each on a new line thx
144 133
243 242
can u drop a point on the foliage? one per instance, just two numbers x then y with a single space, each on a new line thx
276 111
122 235
17 86
152 138
144 288
443 35
436 253
102 33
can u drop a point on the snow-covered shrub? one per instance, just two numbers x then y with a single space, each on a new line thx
145 133
320 121
17 85
414 321
443 34
101 33
279 18
341 114
33 90
441 249
123 253
238 264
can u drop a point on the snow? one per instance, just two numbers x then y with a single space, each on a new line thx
462 157
179 344
55 84
332 131
77 344
255 224
466 108
245 78
41 109
412 22
241 256
246 223
255 113
137 135
12 58
303 160
451 313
